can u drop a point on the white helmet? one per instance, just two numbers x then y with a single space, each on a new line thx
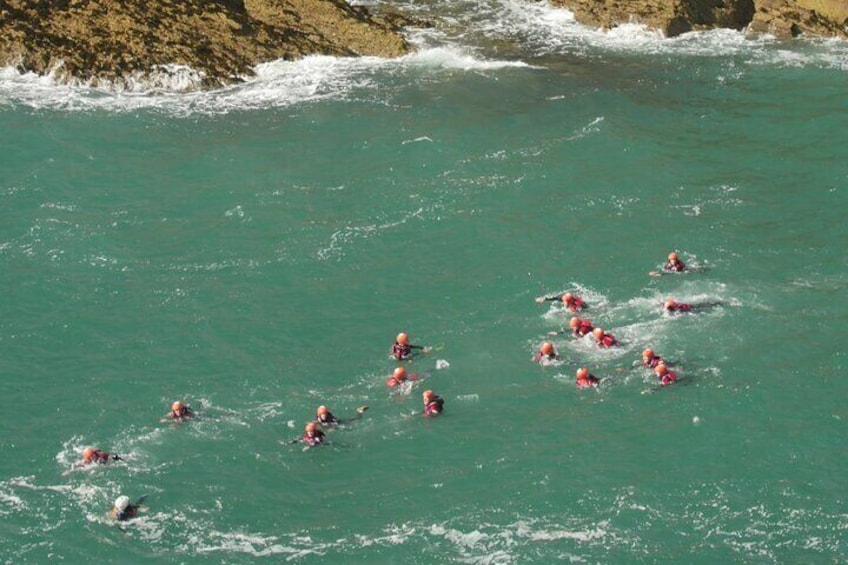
122 502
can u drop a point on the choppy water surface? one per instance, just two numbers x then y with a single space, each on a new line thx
255 250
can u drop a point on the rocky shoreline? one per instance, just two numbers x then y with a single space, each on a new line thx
781 18
107 42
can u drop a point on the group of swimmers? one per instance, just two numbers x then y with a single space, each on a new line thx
124 509
402 350
581 327
313 434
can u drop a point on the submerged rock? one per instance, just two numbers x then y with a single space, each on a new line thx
782 18
107 42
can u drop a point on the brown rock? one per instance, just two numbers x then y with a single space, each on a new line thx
106 41
783 18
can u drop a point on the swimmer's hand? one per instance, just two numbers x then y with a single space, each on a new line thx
361 409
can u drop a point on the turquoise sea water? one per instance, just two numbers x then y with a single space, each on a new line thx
254 251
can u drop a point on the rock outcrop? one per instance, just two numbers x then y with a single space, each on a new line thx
782 18
104 41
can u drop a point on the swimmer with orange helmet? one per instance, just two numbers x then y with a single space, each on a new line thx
180 411
324 417
91 455
666 377
433 403
604 339
586 379
578 327
403 350
674 264
650 359
546 353
569 300
400 376
671 305
312 436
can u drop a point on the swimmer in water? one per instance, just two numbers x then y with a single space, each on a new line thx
325 418
433 404
403 350
674 264
604 339
123 510
666 377
672 306
578 327
179 412
312 436
569 301
91 455
651 360
586 379
400 376
546 353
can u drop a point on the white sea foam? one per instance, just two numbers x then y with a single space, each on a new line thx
459 41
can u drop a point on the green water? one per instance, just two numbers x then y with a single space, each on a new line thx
258 262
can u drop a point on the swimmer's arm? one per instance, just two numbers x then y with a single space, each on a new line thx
548 298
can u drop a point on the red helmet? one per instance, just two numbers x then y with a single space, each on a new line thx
399 374
547 348
402 338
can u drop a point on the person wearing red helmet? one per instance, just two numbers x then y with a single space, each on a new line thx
398 377
666 377
569 300
604 339
179 412
650 359
671 305
91 455
578 327
674 264
403 350
586 379
312 436
323 416
433 404
546 353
